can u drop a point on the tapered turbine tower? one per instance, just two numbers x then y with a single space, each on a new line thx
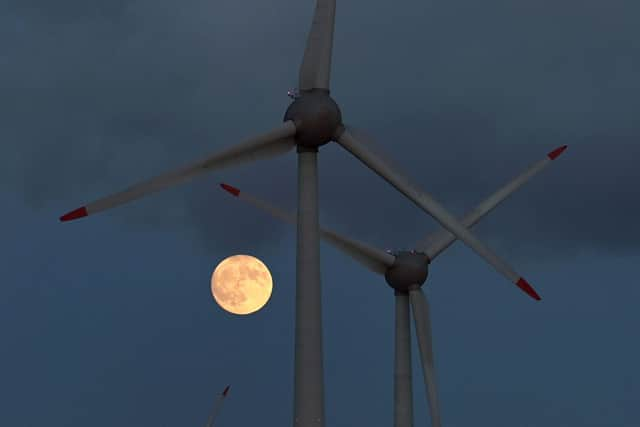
311 120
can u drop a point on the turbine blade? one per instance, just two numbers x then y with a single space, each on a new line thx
435 243
372 258
402 388
269 144
429 205
217 406
315 71
422 320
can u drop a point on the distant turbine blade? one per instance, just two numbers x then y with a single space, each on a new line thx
269 144
315 71
434 244
422 319
402 388
430 206
217 406
374 259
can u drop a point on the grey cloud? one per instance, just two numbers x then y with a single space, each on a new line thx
463 96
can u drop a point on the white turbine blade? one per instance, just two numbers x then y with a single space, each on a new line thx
402 389
422 319
434 244
430 206
372 258
315 71
217 406
269 144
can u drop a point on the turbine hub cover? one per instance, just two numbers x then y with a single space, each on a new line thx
409 269
316 115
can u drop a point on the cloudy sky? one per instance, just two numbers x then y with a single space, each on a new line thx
109 320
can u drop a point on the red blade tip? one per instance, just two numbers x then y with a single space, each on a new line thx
226 390
230 189
555 153
75 214
525 286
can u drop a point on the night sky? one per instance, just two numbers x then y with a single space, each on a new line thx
109 320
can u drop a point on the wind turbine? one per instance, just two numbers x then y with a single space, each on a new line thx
312 119
406 271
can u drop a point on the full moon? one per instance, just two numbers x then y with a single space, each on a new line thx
241 284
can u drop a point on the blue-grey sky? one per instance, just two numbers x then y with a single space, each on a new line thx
109 320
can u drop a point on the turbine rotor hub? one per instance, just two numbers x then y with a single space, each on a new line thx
316 116
409 270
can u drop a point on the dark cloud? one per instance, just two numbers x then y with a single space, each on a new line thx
110 321
463 96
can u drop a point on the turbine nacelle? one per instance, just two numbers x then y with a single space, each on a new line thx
409 269
316 116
